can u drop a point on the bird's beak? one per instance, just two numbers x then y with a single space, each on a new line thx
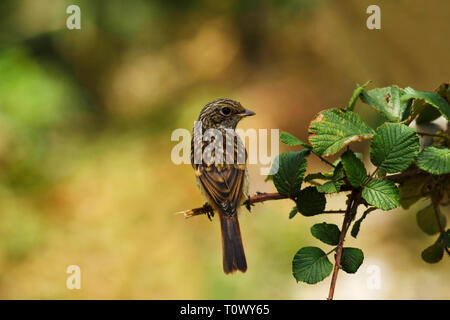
247 113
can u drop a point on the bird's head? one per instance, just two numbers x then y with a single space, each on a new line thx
225 113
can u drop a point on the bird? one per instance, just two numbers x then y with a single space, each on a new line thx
221 174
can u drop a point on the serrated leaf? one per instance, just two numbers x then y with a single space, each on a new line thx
426 220
351 259
291 169
333 129
354 169
355 95
382 194
432 98
290 140
433 253
293 212
310 202
434 159
357 224
394 147
327 233
388 101
311 265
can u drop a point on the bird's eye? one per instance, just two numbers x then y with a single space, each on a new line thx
226 111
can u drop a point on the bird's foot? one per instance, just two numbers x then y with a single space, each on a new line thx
248 204
209 212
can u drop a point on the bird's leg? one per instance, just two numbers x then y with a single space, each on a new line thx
248 204
205 209
210 211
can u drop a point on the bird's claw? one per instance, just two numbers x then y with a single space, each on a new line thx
248 204
210 211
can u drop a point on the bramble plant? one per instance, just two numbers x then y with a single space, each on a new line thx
404 173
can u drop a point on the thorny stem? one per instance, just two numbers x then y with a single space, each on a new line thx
352 205
435 201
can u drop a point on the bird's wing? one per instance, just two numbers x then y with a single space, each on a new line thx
224 185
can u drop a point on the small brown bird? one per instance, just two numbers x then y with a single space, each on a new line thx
221 173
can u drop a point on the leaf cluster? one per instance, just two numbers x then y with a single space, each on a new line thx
403 172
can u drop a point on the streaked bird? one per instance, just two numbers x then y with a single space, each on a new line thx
221 172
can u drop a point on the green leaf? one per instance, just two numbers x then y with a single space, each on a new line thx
417 107
327 233
446 240
291 169
433 253
330 187
357 224
293 212
428 114
351 259
310 202
412 189
290 140
333 129
382 194
381 173
389 102
435 160
354 168
394 147
426 219
444 91
356 93
311 265
357 154
320 176
432 98
338 172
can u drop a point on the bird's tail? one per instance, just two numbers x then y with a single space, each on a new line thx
232 248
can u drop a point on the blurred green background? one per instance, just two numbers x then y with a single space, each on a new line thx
85 122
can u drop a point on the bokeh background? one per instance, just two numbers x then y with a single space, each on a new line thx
86 117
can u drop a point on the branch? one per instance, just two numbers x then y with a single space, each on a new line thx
352 205
259 197
435 201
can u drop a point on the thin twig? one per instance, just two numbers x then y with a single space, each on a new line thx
333 211
259 197
323 159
